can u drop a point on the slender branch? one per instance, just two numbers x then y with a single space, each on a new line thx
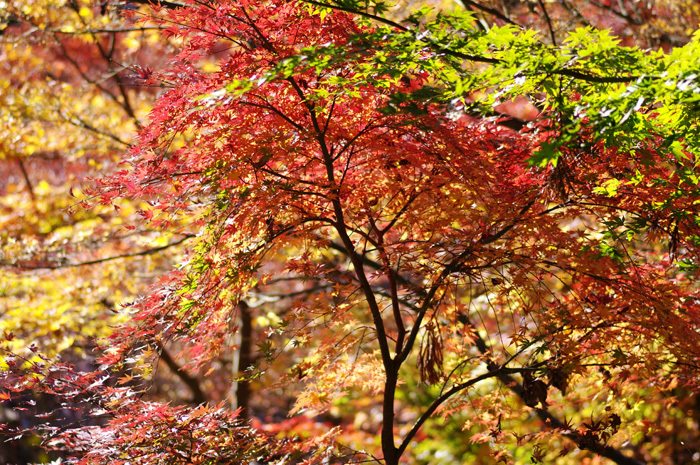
191 382
489 10
451 267
125 104
400 213
272 108
161 3
603 450
341 228
549 419
364 14
54 265
612 10
84 75
480 22
549 22
495 372
27 181
79 122
126 101
575 12
512 384
494 237
575 74
393 289
106 31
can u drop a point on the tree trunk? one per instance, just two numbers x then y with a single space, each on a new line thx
242 359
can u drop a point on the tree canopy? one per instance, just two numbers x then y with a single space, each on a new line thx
351 232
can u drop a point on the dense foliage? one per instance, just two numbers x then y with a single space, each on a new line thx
435 237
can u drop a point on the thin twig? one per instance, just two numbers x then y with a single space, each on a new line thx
30 188
55 265
489 10
549 22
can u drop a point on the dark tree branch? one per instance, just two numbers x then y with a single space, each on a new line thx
106 31
580 75
79 122
364 14
54 265
548 419
612 10
549 22
489 10
191 382
508 381
126 101
575 74
480 22
164 4
493 372
27 181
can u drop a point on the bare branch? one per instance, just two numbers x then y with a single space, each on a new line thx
55 265
191 382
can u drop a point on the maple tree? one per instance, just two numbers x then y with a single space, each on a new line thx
438 223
